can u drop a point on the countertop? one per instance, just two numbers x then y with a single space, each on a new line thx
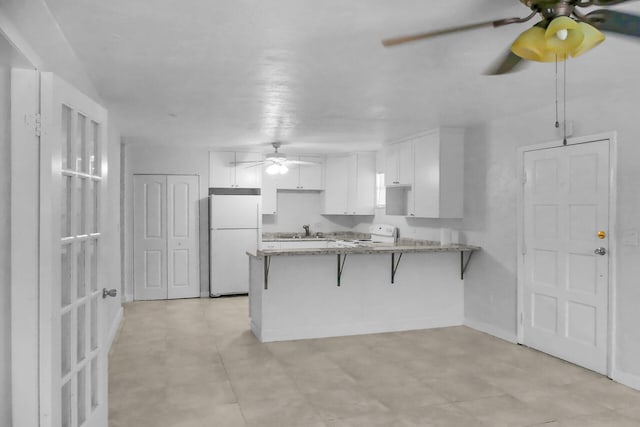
327 237
367 249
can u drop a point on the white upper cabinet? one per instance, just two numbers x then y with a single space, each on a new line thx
223 173
303 177
350 185
438 182
269 194
336 192
399 164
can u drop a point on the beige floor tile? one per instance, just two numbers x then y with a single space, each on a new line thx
439 416
504 411
463 387
603 419
276 411
345 402
192 363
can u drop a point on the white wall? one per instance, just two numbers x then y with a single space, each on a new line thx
5 238
491 188
172 161
296 208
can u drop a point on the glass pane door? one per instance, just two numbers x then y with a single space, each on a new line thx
79 298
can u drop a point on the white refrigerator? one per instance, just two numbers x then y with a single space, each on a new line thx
235 223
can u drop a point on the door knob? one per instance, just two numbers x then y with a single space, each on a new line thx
600 251
109 292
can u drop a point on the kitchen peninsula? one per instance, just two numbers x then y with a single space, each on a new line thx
299 293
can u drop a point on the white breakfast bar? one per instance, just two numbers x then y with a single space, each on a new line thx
314 293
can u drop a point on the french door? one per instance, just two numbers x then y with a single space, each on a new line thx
73 361
565 250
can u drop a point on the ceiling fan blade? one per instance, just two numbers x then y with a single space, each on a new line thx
299 162
607 2
259 162
414 37
615 22
509 63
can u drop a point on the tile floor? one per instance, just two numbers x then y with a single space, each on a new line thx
189 363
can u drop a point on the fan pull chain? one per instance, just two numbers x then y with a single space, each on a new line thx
557 121
564 142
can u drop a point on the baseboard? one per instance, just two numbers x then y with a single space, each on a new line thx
114 328
361 328
127 298
624 378
491 330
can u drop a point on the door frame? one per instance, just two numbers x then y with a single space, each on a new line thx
612 283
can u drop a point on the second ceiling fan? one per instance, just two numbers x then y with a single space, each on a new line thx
563 31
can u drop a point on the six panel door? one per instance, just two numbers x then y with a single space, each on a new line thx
566 202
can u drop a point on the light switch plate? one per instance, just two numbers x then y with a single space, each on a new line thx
630 238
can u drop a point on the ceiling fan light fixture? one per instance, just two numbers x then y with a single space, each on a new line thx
283 169
531 44
592 38
273 169
563 35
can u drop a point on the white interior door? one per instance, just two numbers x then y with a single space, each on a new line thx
182 237
566 284
150 237
165 228
73 369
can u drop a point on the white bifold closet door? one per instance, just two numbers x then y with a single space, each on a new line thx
165 252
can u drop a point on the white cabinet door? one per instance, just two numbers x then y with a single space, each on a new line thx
248 175
269 194
438 186
303 177
399 164
405 163
336 194
221 170
350 185
391 165
311 175
363 200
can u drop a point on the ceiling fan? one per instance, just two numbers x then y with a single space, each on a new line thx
276 162
563 31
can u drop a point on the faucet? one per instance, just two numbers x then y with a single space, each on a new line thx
306 230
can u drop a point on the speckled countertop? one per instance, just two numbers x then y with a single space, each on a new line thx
402 246
330 236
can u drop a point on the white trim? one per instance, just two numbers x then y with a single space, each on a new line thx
127 298
25 237
11 33
624 378
460 131
490 329
116 324
613 174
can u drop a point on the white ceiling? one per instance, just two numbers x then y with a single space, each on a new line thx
230 73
